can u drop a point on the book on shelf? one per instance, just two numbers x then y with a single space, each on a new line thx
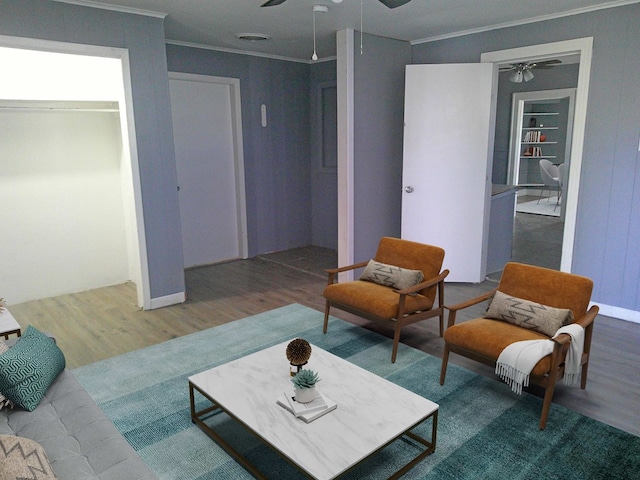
307 412
532 136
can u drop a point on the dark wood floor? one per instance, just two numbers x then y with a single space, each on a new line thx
105 322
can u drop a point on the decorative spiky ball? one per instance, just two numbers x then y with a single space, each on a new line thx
298 351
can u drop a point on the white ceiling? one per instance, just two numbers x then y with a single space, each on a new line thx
214 23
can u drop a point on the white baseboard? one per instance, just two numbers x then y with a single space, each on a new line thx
617 312
168 300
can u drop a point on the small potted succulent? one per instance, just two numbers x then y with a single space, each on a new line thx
304 383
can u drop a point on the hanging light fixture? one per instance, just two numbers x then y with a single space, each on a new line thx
317 8
527 74
516 76
521 73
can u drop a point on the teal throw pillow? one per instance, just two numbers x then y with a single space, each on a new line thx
29 367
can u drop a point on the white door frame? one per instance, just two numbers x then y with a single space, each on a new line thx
517 110
141 267
584 48
346 153
238 149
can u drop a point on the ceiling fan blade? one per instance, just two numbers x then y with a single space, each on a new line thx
271 3
394 3
545 64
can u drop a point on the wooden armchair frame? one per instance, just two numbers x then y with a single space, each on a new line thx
402 317
560 348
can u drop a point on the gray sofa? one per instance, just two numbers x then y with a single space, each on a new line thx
79 440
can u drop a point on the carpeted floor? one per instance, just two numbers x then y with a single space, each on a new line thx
484 430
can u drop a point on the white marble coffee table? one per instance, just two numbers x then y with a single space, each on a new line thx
372 412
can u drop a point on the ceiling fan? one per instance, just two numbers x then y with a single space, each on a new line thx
522 70
388 3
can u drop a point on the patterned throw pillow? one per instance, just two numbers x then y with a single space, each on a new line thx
23 458
29 367
526 314
391 276
4 401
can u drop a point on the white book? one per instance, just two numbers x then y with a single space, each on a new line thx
308 412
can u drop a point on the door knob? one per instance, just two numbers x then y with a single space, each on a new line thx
408 189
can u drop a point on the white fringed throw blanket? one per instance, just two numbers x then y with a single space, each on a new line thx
518 359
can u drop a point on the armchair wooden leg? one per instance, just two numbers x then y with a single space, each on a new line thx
326 316
445 360
396 341
546 405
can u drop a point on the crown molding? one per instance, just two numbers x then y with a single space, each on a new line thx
577 11
247 52
115 8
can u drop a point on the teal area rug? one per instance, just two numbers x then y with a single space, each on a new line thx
484 430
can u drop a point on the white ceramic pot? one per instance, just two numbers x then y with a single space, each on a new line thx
305 395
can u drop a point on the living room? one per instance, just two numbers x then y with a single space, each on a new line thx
606 228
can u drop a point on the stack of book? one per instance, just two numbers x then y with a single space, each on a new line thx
533 136
307 412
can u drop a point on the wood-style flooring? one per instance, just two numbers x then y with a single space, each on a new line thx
98 324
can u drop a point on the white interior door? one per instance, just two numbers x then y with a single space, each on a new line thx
210 178
448 148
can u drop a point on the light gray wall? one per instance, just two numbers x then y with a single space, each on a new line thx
144 38
607 246
378 134
277 164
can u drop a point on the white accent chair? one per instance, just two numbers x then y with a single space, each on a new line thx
551 178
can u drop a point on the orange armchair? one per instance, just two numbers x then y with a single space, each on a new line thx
483 339
388 305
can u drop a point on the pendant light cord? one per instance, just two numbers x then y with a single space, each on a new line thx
315 55
361 11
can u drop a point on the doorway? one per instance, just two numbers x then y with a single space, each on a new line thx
582 47
61 73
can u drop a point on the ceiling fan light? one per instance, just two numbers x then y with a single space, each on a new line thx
527 75
516 76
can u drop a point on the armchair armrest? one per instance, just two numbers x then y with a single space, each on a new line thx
453 309
585 322
333 271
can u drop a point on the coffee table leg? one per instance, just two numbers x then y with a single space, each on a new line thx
431 447
196 417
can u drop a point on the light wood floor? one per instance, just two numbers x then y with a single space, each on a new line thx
105 322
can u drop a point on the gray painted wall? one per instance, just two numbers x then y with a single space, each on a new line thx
378 137
607 247
277 165
144 38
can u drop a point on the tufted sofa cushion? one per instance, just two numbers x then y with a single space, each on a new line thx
80 441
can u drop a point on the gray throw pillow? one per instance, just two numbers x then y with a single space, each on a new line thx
22 458
391 276
530 315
